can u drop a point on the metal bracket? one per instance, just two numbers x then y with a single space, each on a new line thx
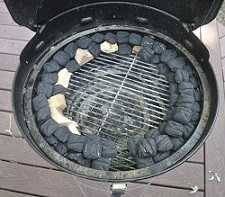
118 189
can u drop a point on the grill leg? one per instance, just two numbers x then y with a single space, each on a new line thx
118 189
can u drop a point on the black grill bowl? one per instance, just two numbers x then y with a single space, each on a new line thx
152 22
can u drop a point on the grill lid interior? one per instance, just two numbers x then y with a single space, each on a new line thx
32 13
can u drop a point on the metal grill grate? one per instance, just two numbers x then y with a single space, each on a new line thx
116 97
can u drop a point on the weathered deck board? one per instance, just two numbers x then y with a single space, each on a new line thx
24 154
13 194
149 191
11 46
6 19
15 33
9 62
215 146
43 181
221 30
6 79
5 125
3 7
37 180
5 100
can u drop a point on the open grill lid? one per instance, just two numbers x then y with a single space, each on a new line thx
33 13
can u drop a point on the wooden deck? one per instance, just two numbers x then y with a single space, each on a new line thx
24 173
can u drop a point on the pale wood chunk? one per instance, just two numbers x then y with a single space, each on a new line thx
83 56
107 47
57 104
136 49
58 116
58 101
64 77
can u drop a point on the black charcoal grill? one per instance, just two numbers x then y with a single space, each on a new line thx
120 96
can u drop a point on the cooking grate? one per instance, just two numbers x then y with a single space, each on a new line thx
117 97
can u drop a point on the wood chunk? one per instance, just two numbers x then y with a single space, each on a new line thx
136 49
107 47
57 104
58 101
83 56
64 78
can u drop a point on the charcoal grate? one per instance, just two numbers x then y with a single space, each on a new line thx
116 97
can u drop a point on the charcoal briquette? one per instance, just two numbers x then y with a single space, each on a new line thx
183 115
102 164
52 140
141 151
186 105
146 55
45 89
150 146
51 66
43 114
61 57
161 156
49 127
59 89
132 145
110 37
162 127
122 36
72 66
176 63
94 49
50 78
177 143
62 134
124 49
144 162
146 147
147 42
153 133
170 77
174 129
39 101
181 75
173 99
108 148
155 59
196 107
173 88
61 149
163 143
135 39
76 142
84 42
185 85
197 95
188 92
194 82
98 37
163 69
186 99
70 49
78 158
168 55
159 47
195 117
92 149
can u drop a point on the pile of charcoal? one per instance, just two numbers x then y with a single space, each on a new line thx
185 106
90 150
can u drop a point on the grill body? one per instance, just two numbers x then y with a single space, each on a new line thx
55 35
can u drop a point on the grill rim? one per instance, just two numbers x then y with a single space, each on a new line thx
43 148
